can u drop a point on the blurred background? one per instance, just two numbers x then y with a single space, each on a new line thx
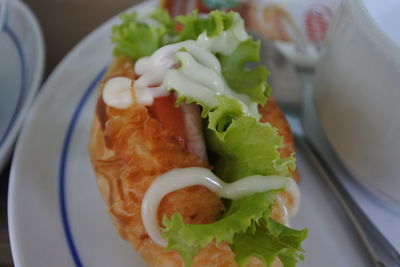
65 22
293 37
296 33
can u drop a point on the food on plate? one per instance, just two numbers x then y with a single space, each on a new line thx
193 158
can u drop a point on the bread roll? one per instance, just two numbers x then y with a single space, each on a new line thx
129 149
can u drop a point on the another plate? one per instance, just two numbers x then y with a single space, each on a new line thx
56 214
21 69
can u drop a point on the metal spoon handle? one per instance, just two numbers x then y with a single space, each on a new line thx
382 253
3 13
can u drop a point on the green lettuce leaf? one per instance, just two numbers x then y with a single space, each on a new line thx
290 257
239 144
246 226
251 82
193 25
271 240
136 39
162 17
243 214
220 118
242 145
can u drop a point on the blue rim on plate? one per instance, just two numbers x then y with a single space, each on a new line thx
22 88
63 166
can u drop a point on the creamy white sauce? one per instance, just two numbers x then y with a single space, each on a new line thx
283 208
227 41
293 190
180 178
158 75
288 205
192 70
117 92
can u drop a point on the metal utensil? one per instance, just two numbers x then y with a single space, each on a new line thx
381 252
3 13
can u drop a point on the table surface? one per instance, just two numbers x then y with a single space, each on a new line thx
64 23
5 252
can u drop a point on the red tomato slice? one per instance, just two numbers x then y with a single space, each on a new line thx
170 117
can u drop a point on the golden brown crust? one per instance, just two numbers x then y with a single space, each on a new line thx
273 114
129 149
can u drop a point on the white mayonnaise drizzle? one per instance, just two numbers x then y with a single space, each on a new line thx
289 204
117 92
293 190
227 41
158 76
180 178
283 210
191 69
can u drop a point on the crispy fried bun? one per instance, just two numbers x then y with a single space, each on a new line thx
129 149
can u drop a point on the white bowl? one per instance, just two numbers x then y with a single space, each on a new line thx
21 70
357 95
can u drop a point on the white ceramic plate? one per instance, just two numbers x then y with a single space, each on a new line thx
56 214
21 69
